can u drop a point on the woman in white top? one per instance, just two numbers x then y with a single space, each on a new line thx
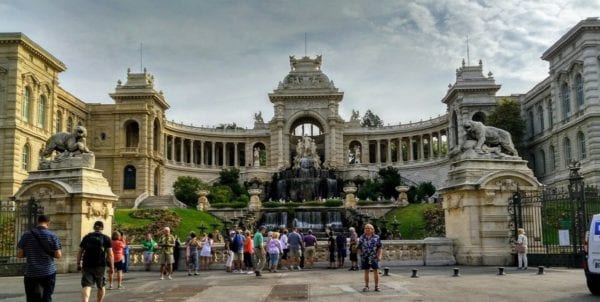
205 253
522 249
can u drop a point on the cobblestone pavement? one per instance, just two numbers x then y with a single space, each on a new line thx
433 284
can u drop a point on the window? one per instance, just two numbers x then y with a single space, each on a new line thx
132 134
552 158
129 178
542 162
26 104
581 144
550 115
41 112
530 121
579 88
568 156
70 124
59 121
566 100
540 115
25 157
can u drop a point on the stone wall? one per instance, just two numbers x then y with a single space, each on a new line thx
429 251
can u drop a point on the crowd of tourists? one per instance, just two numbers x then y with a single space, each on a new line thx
246 253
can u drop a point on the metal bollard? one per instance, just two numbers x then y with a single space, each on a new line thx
501 271
540 270
456 272
386 271
414 273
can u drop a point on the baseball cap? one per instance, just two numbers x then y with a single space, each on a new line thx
98 225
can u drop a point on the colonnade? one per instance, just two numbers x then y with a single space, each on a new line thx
412 148
207 153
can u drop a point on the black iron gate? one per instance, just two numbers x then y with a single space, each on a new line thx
14 220
555 221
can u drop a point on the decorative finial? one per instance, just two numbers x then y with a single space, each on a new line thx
463 62
449 85
119 82
128 70
490 74
480 63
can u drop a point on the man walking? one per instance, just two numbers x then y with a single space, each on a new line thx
259 250
370 245
40 246
295 248
166 258
95 250
310 248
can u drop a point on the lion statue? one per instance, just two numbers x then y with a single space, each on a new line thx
67 143
488 139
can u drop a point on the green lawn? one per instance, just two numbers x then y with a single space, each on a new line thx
411 220
191 219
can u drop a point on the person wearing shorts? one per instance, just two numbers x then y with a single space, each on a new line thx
310 247
295 247
370 245
95 254
166 259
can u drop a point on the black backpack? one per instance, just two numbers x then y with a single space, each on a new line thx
94 253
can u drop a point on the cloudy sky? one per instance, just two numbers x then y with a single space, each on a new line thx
216 61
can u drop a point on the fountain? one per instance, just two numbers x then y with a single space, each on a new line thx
305 180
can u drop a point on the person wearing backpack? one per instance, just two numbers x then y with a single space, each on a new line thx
40 246
237 246
95 254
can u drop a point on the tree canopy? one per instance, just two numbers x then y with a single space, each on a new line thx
371 119
186 189
507 116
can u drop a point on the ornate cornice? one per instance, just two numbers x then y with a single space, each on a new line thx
22 40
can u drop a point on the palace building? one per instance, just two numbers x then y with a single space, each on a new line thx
142 153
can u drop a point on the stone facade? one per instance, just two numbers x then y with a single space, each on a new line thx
142 153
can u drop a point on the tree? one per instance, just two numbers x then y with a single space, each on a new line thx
186 189
221 194
507 116
424 190
390 179
231 178
371 119
228 126
371 189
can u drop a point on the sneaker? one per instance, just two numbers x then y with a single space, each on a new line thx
121 287
189 274
235 271
250 273
298 268
109 287
162 277
196 274
170 278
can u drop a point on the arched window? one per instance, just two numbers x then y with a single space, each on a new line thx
552 158
455 129
70 124
540 115
59 121
581 144
26 104
568 155
156 136
132 134
25 157
579 88
41 112
566 100
129 178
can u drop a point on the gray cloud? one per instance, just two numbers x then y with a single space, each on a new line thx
216 61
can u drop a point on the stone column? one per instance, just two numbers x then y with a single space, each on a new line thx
378 150
173 157
389 151
224 154
400 152
410 149
235 155
213 153
181 148
201 154
192 152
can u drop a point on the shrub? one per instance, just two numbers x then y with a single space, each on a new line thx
333 203
435 221
186 189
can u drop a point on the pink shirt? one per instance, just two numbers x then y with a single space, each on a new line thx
117 247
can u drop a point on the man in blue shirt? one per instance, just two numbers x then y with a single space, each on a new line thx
40 246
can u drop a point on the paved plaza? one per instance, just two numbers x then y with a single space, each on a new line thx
433 284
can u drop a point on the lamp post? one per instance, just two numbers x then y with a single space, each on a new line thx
202 228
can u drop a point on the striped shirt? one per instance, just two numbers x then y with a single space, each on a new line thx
39 263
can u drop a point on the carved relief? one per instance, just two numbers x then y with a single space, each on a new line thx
95 210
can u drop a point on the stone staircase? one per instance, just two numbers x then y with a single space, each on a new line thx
161 202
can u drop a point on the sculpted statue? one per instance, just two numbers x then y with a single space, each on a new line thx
355 115
299 148
486 139
356 154
258 117
67 144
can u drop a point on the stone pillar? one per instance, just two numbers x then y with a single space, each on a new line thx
410 149
192 157
201 154
378 150
389 152
181 148
235 155
224 154
173 157
475 205
213 151
74 198
400 152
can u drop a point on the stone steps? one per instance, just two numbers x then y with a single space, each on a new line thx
159 202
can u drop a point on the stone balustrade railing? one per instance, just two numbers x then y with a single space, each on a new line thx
429 251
